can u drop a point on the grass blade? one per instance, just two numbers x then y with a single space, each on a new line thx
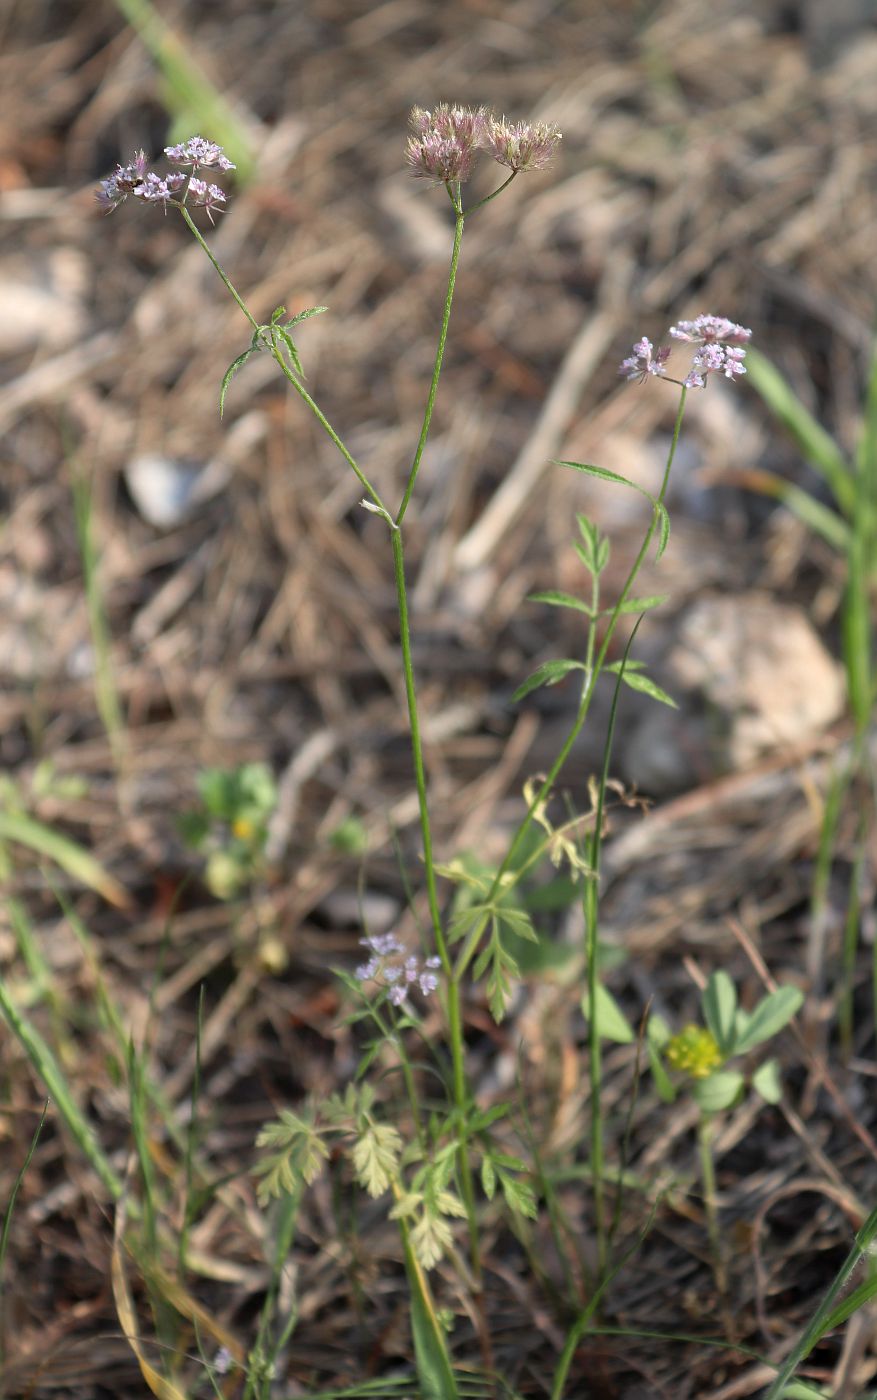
46 1066
76 862
816 445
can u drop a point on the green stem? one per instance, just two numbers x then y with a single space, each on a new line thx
708 1177
588 692
454 1010
487 198
329 431
439 356
262 332
233 293
863 1243
582 1323
417 748
591 906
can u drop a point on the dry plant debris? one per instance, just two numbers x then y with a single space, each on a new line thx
707 161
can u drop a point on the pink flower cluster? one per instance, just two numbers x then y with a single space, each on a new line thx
719 349
644 361
177 188
391 966
446 141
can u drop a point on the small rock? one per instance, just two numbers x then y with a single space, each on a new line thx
762 667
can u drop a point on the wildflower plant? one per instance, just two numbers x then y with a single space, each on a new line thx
701 1053
477 920
697 1058
229 827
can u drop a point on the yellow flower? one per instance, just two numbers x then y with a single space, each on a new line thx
695 1051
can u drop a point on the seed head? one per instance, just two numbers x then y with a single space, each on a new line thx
444 142
520 145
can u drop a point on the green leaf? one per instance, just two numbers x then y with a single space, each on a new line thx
646 686
499 987
559 600
630 664
78 863
485 1118
658 1031
813 513
229 376
434 1371
300 316
612 1024
488 1178
408 1204
604 474
376 1157
288 345
549 673
663 1082
717 1091
771 1014
766 1081
518 1195
853 1301
590 534
664 528
720 1008
637 605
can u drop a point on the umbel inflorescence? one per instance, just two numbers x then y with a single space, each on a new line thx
179 187
443 148
718 349
445 142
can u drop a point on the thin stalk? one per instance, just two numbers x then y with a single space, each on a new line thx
454 1012
417 749
432 1358
330 432
266 1348
582 1323
7 1224
588 691
232 291
850 947
591 907
299 388
439 356
708 1178
47 1067
473 208
863 1242
391 1036
106 692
